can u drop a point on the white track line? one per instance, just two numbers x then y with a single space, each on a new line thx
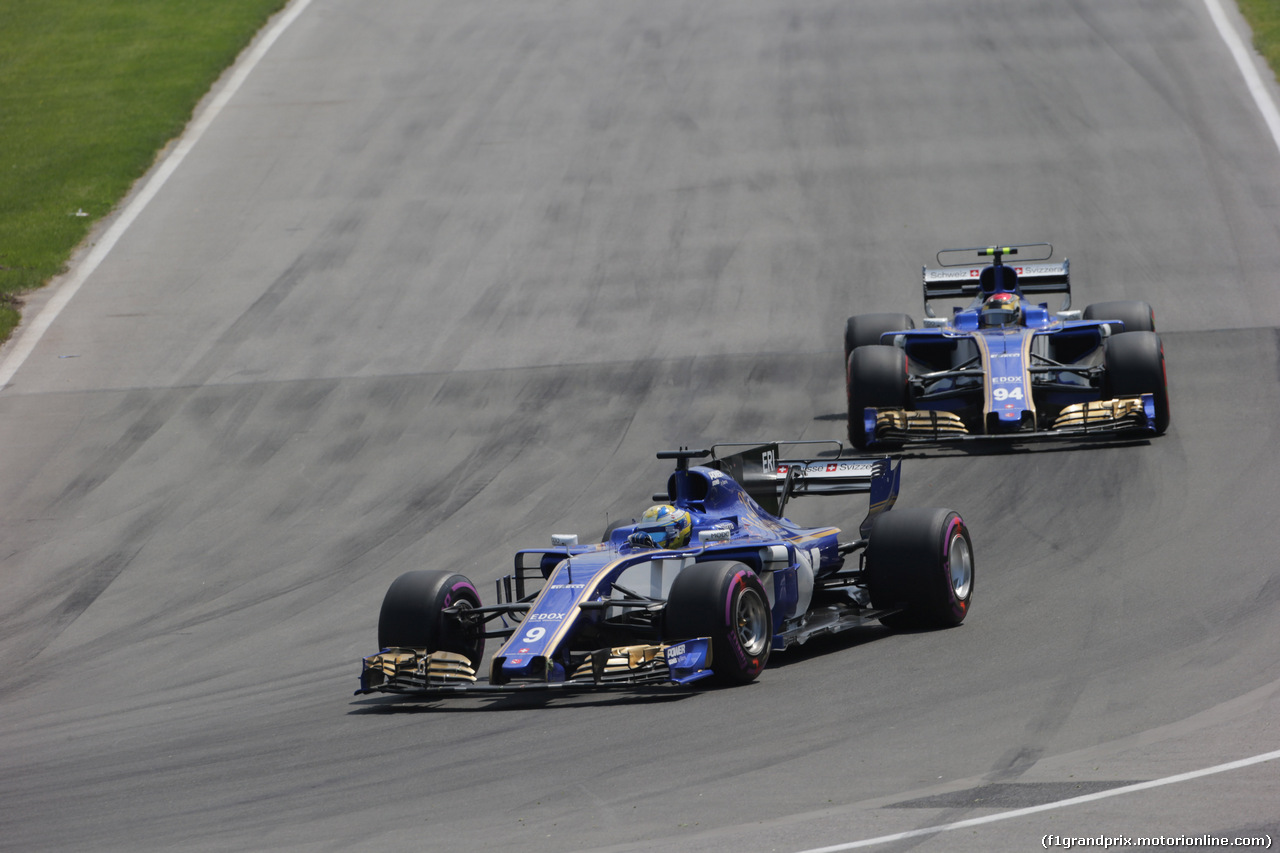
1244 61
31 335
1060 804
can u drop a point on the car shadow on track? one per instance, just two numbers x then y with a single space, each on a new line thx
479 702
832 644
471 703
1014 448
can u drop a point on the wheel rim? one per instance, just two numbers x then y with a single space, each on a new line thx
960 566
468 638
752 622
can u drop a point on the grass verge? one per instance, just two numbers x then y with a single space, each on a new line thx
1264 18
89 93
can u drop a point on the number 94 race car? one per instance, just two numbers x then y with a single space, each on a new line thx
1002 367
704 586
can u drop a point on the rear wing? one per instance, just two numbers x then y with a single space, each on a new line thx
977 281
771 480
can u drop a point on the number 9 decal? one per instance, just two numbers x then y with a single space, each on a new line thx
533 635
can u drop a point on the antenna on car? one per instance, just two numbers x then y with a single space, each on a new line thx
995 253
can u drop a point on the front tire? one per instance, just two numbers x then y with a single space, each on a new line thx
877 379
921 561
726 602
865 329
413 616
1135 365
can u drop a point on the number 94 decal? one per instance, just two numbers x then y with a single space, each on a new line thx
1002 394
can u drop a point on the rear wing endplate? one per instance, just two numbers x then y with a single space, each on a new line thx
771 480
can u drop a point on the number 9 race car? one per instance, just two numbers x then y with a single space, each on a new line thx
1003 367
704 586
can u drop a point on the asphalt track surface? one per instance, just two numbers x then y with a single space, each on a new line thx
441 279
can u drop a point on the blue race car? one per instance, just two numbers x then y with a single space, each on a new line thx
1003 367
703 586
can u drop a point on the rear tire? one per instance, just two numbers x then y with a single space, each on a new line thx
1135 365
877 378
1136 316
726 602
412 615
920 560
865 329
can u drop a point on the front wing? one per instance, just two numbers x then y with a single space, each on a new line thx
1098 418
419 671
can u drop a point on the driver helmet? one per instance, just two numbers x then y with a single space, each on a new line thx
1002 309
665 526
